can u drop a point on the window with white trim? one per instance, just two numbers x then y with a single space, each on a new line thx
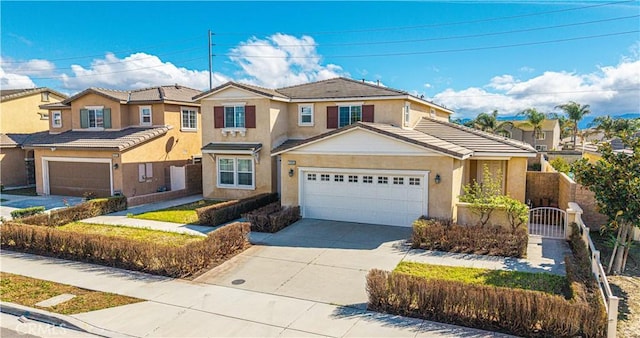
324 177
56 119
188 118
338 178
236 172
348 115
353 178
398 180
145 171
432 112
44 96
414 181
305 114
234 117
541 147
145 116
96 117
540 135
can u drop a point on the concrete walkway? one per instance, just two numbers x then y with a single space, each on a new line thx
186 309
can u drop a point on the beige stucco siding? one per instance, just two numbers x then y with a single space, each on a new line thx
23 114
12 167
264 178
95 100
440 196
516 175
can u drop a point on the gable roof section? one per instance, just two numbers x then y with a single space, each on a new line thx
481 143
338 88
547 124
176 93
10 94
266 92
107 140
406 135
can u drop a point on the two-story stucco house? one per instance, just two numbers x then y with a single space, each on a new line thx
348 150
20 116
107 142
548 138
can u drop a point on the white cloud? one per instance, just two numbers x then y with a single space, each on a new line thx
526 69
427 85
11 80
37 67
282 60
609 90
137 70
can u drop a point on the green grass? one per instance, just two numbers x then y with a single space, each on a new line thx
22 191
183 214
544 282
29 291
138 234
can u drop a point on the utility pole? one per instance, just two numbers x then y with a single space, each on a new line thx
210 61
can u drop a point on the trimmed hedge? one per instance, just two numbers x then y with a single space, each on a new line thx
514 311
220 213
21 213
272 217
129 254
88 209
444 235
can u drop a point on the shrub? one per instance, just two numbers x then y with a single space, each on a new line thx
20 213
561 165
444 235
515 311
220 213
484 198
517 212
125 253
78 212
272 217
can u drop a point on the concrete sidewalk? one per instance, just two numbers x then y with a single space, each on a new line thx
188 309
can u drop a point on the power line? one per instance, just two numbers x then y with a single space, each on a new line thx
543 93
436 51
446 37
368 30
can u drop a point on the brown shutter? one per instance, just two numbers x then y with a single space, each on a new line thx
250 116
367 113
218 117
332 117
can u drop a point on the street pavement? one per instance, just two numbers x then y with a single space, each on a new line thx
14 202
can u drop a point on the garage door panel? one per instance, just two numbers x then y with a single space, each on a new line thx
77 178
365 197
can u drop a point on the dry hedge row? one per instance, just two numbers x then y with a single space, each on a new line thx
220 213
444 235
272 217
129 254
88 209
515 311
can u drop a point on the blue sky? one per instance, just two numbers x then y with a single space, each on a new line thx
469 56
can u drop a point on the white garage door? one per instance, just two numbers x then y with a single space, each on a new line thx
377 197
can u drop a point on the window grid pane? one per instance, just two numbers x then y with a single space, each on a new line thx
239 117
338 178
324 177
367 179
229 117
353 178
383 180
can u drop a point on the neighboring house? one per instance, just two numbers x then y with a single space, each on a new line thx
20 115
347 150
592 154
545 140
108 142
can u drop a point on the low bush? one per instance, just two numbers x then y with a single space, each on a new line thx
272 217
444 235
21 213
88 209
514 311
230 210
124 253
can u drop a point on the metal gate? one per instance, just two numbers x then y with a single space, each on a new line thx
547 222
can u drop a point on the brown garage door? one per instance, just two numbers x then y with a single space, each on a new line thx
77 178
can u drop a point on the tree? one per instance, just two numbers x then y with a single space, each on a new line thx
534 120
489 123
484 197
575 112
616 184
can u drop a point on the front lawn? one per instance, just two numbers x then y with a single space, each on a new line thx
29 291
138 234
548 283
183 214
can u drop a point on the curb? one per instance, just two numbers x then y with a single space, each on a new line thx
55 319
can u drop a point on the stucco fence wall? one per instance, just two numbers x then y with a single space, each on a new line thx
193 178
467 217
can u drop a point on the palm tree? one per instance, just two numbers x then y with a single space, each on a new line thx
489 123
605 124
616 127
534 120
575 112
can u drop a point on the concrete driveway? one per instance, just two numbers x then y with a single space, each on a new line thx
318 260
14 202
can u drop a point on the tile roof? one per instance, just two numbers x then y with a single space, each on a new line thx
338 88
225 146
12 140
10 94
476 140
160 93
256 89
116 140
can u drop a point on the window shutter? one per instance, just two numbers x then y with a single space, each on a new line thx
367 113
84 118
218 117
332 117
106 116
250 116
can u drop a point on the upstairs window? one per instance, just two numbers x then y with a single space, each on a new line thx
56 119
305 115
44 96
189 118
234 117
95 117
540 135
348 115
145 116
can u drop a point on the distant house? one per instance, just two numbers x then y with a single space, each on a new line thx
548 138
20 116
105 142
592 154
